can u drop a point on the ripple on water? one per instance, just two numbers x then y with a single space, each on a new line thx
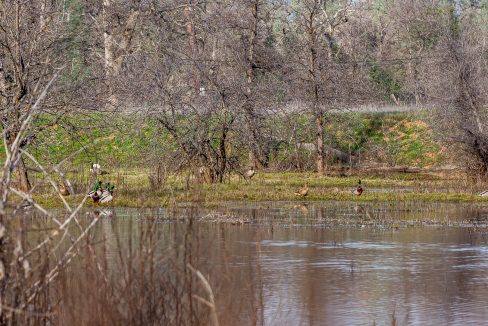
334 276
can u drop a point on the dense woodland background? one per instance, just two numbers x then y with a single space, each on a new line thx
222 86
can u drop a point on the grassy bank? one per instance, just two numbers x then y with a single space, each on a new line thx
129 142
134 189
132 149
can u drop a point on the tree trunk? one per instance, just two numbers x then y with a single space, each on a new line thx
320 143
21 169
25 184
314 91
111 67
258 151
192 43
469 102
115 47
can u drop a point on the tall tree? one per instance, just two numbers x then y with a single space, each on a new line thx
312 49
461 90
119 20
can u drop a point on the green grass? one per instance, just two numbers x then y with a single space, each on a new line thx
135 190
127 145
397 138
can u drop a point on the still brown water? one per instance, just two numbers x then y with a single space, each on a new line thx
326 263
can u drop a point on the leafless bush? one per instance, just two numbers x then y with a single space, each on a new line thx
460 90
153 271
33 81
158 177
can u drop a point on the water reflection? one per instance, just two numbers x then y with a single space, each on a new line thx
285 265
361 281
330 263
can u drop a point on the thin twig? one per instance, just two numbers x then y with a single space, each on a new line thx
48 177
211 300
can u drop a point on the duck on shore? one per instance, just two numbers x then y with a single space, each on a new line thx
359 189
249 174
63 190
302 192
102 194
96 169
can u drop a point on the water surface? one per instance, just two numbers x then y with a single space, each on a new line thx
327 263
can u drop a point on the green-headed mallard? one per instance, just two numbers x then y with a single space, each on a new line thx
102 194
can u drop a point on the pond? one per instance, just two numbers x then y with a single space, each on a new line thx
326 263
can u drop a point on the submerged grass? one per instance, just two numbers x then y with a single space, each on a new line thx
134 189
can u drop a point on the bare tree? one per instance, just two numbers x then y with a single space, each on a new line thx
257 44
37 79
456 81
312 55
119 20
196 96
19 81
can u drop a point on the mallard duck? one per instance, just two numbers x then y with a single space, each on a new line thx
107 193
96 192
95 168
106 197
63 190
359 189
302 192
102 194
249 174
95 195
